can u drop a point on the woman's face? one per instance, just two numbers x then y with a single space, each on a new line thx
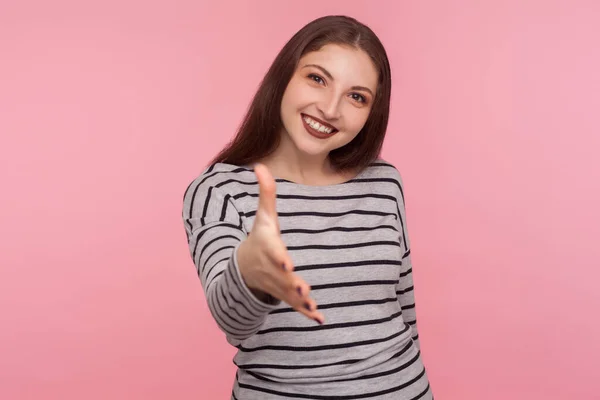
328 99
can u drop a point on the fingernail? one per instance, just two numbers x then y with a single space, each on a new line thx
307 306
299 290
319 321
283 266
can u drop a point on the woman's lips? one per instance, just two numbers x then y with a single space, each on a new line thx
316 133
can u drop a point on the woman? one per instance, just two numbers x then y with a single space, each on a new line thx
325 240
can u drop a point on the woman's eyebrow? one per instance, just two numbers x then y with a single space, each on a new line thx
328 75
366 89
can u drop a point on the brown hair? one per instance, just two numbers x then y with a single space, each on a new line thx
258 135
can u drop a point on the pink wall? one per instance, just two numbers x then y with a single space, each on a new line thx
107 111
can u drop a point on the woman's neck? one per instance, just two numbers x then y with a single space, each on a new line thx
304 173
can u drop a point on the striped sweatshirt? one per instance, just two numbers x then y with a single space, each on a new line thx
349 242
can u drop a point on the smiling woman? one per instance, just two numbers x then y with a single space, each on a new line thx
341 59
331 91
309 274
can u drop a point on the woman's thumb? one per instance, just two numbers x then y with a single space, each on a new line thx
267 191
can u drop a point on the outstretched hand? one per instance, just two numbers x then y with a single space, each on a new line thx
265 263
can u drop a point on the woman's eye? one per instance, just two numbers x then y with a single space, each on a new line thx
358 97
316 78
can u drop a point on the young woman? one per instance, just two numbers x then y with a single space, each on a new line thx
309 274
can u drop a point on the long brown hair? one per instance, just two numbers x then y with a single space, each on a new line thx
258 135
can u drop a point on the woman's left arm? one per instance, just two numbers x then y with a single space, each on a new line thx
405 290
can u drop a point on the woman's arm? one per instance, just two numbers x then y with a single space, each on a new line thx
215 232
405 290
406 296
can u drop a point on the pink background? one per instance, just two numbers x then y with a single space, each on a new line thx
109 110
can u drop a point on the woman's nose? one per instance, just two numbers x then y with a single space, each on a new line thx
330 108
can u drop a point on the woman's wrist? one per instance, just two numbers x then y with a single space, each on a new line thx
243 260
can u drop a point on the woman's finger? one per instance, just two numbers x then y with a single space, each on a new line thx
294 291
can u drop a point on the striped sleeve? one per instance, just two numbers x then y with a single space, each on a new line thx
405 290
214 231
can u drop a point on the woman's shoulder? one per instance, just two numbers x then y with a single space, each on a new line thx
216 183
220 172
388 177
221 177
384 169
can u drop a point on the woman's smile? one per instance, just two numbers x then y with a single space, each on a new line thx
317 127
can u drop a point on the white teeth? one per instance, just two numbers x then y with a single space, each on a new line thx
316 126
